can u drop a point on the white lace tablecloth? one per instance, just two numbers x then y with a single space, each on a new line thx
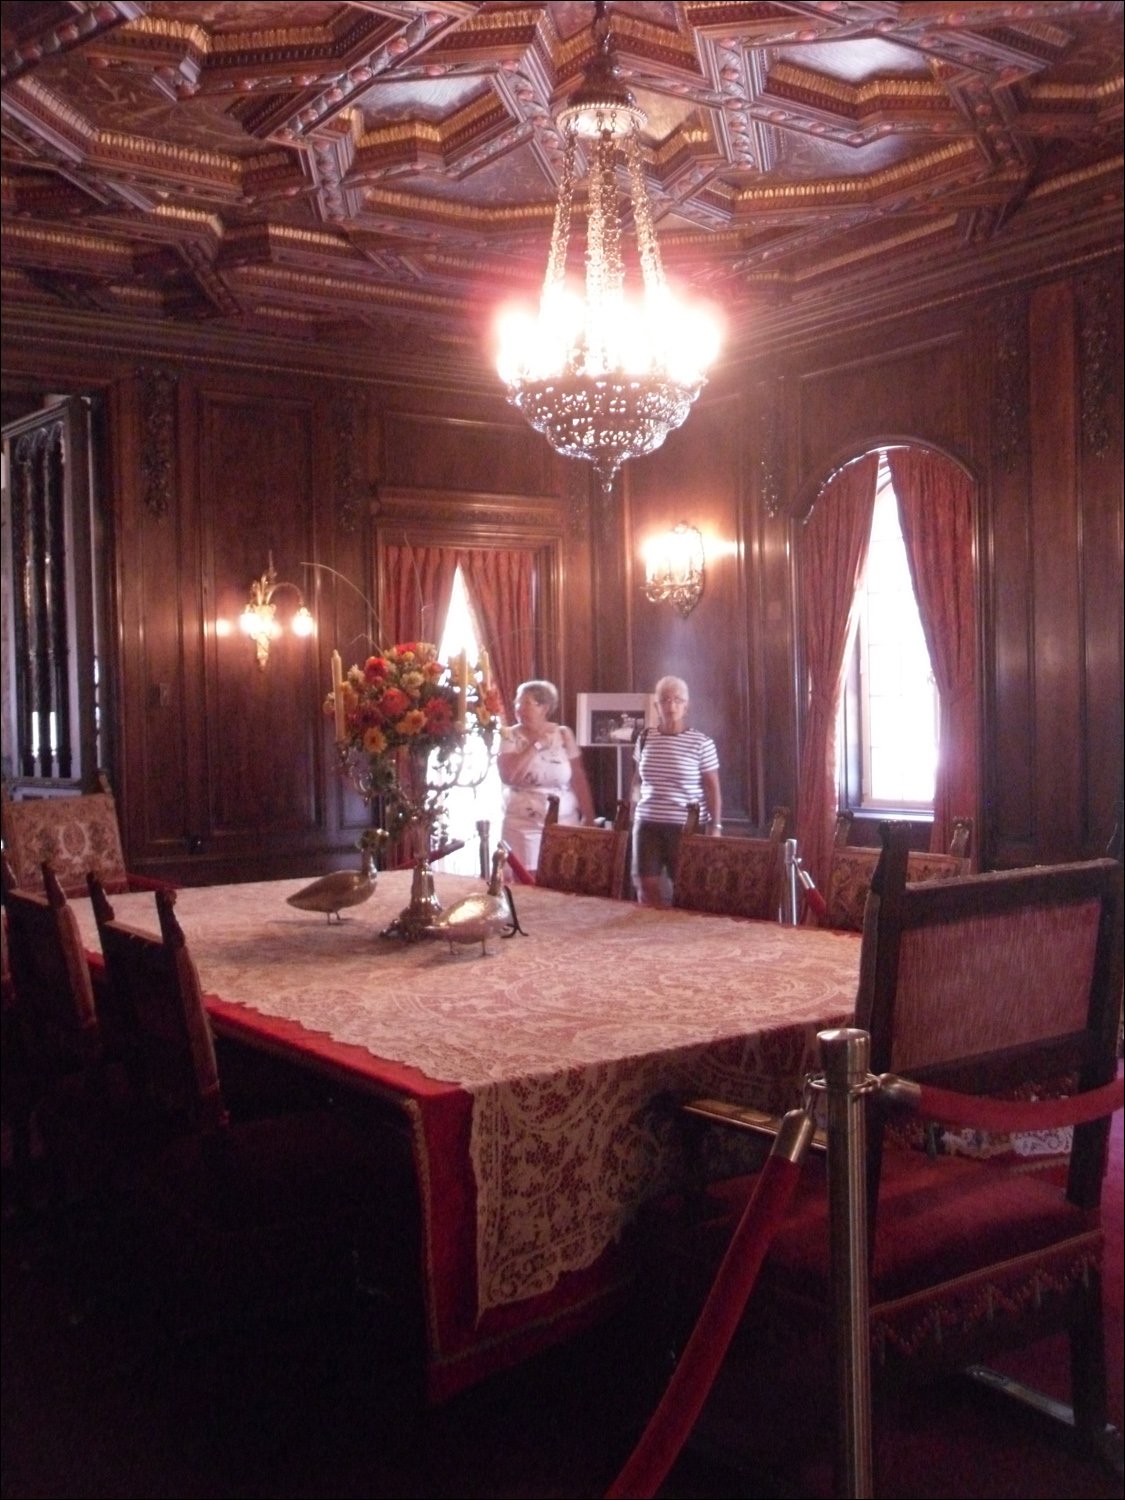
563 1037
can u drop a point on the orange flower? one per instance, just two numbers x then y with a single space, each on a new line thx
412 723
374 741
394 702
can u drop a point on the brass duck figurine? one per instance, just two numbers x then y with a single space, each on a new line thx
331 893
477 918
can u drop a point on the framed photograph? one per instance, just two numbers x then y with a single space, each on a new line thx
613 719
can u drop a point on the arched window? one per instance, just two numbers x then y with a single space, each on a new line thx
936 508
887 740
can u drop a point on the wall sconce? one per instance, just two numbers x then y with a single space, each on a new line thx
259 618
674 568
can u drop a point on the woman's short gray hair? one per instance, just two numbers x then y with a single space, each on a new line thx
545 693
672 682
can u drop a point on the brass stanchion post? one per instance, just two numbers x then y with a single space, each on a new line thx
845 1055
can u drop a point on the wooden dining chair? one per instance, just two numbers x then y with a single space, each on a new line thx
584 861
852 868
730 877
75 835
236 1219
1004 984
53 1064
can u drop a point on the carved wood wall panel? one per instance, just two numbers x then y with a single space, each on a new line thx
257 463
258 497
697 477
450 453
1049 552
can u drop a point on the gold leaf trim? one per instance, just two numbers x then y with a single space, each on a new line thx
852 94
68 239
1081 174
1080 93
277 277
907 237
850 187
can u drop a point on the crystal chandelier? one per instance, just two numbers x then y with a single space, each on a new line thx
605 378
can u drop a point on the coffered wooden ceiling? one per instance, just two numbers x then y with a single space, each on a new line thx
347 171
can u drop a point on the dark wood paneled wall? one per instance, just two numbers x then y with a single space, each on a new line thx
1024 390
226 771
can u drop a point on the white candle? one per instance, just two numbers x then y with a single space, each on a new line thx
462 689
486 670
338 697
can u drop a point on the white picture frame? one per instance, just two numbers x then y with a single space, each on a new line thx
613 720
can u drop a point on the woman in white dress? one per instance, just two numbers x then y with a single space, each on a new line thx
539 759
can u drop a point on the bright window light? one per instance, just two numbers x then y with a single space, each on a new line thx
467 805
898 701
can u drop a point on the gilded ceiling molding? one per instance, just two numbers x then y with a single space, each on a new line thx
85 22
913 169
1009 394
158 389
1097 363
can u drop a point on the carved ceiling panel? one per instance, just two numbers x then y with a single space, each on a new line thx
312 168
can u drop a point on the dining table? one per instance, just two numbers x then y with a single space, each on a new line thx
536 1081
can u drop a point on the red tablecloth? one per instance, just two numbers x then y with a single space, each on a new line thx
528 1077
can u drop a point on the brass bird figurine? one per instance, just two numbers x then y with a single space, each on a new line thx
331 893
477 918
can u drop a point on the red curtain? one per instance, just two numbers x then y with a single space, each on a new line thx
419 586
833 551
935 505
501 587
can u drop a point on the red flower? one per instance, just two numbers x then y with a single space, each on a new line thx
377 669
439 716
394 703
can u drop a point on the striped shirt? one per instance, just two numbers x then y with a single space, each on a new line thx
671 768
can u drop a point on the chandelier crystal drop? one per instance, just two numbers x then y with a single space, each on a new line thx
605 378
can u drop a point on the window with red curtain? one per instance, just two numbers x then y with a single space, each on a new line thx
501 583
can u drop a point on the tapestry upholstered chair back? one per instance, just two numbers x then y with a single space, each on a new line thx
584 861
731 877
849 876
73 834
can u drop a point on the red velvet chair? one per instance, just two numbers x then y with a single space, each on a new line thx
584 861
239 1219
76 835
730 877
852 868
53 1045
1004 984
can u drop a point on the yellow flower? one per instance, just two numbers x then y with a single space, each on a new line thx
374 741
351 698
412 723
412 682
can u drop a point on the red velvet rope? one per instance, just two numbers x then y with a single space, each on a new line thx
667 1431
980 1113
815 901
520 870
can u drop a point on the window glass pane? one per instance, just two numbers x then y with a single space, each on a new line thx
468 804
898 700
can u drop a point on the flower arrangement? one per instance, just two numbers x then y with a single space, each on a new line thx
404 705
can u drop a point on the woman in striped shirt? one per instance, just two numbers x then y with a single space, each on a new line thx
673 766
